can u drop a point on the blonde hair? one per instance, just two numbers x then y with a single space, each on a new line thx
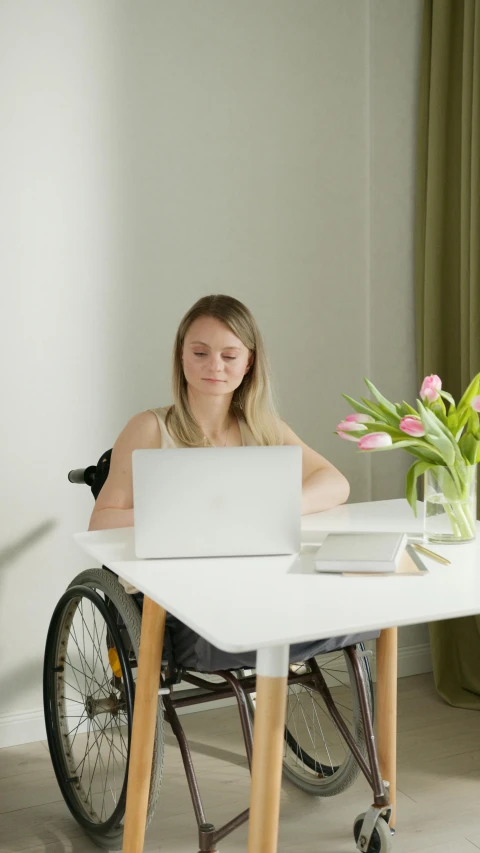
253 399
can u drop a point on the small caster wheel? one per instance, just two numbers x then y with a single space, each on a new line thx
381 840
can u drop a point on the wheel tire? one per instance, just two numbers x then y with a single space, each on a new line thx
96 585
381 840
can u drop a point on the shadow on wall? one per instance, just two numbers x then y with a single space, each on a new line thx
16 549
22 678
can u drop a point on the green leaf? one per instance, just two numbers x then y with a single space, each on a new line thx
388 428
469 447
431 455
413 473
443 446
470 393
439 435
438 409
394 446
428 453
462 419
452 421
380 398
359 407
382 413
410 409
392 418
473 421
447 396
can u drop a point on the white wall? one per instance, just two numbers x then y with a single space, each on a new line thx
156 153
395 32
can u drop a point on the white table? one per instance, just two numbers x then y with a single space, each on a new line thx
286 602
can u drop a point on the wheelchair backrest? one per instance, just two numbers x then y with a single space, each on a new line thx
101 473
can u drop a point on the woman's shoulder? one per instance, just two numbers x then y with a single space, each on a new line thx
141 430
160 411
145 425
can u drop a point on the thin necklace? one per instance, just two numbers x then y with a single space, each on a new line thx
226 436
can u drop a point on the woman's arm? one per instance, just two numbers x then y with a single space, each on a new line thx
114 505
323 486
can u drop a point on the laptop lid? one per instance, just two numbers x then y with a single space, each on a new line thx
217 501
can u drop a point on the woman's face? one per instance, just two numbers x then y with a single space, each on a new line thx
214 359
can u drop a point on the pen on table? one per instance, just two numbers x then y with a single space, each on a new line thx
431 554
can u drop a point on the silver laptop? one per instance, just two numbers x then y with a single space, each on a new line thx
217 501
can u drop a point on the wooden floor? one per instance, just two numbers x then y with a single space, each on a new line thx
438 780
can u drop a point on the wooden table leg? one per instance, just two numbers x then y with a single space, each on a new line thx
144 721
387 647
268 743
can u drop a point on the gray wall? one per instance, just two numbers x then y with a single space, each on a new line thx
158 152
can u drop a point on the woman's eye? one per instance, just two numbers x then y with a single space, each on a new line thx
199 353
230 357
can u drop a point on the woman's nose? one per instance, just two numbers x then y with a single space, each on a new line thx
217 363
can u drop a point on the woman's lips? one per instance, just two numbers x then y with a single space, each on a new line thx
213 381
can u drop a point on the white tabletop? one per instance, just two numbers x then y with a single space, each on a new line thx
246 603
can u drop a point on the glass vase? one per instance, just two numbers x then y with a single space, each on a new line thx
450 503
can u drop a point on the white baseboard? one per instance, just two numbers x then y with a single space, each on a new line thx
29 726
414 660
22 727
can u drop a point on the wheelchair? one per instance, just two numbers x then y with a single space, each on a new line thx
90 670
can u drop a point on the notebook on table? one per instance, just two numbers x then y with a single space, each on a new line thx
368 553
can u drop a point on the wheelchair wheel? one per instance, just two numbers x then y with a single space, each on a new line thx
316 757
89 678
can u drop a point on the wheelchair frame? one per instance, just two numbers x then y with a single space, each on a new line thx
238 688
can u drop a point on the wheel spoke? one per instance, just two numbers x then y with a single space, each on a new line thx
75 729
98 650
82 655
80 671
326 747
106 774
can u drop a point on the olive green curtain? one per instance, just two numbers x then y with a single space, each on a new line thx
447 261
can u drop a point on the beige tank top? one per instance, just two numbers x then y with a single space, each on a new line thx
246 434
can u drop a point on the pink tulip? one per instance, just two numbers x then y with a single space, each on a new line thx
345 435
347 426
412 426
476 403
431 385
374 440
359 418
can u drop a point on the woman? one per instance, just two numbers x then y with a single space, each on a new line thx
221 398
